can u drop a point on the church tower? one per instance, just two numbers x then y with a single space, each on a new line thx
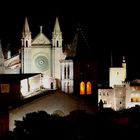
117 75
26 35
57 52
25 43
1 60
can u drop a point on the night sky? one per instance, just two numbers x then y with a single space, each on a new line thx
107 27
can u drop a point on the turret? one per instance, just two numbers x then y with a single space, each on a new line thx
26 35
57 35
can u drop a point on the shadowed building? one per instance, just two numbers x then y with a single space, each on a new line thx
55 102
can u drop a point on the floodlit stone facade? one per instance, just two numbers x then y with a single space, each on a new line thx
120 96
37 55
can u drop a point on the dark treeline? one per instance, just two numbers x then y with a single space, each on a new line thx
79 125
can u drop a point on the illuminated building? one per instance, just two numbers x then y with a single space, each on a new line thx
120 94
14 87
61 67
43 65
38 55
48 68
117 75
79 69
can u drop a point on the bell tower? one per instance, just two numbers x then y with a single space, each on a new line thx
25 48
57 51
26 35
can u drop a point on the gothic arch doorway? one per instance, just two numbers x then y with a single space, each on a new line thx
82 88
89 87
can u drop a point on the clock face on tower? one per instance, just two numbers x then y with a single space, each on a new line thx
41 62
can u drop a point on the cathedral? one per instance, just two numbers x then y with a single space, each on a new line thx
60 67
38 55
49 66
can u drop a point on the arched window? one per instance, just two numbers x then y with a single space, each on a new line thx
68 72
51 85
82 88
57 44
89 87
26 43
65 72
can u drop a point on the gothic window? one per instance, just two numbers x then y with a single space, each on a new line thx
24 87
82 88
68 72
57 44
65 72
26 43
51 85
89 86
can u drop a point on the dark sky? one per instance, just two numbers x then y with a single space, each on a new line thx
107 26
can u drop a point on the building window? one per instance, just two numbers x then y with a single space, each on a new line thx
5 88
65 72
57 44
68 72
24 87
26 43
82 88
51 85
88 87
135 99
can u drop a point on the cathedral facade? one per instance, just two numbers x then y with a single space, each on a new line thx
67 68
38 55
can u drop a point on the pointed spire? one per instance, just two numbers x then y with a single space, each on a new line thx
57 26
26 30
